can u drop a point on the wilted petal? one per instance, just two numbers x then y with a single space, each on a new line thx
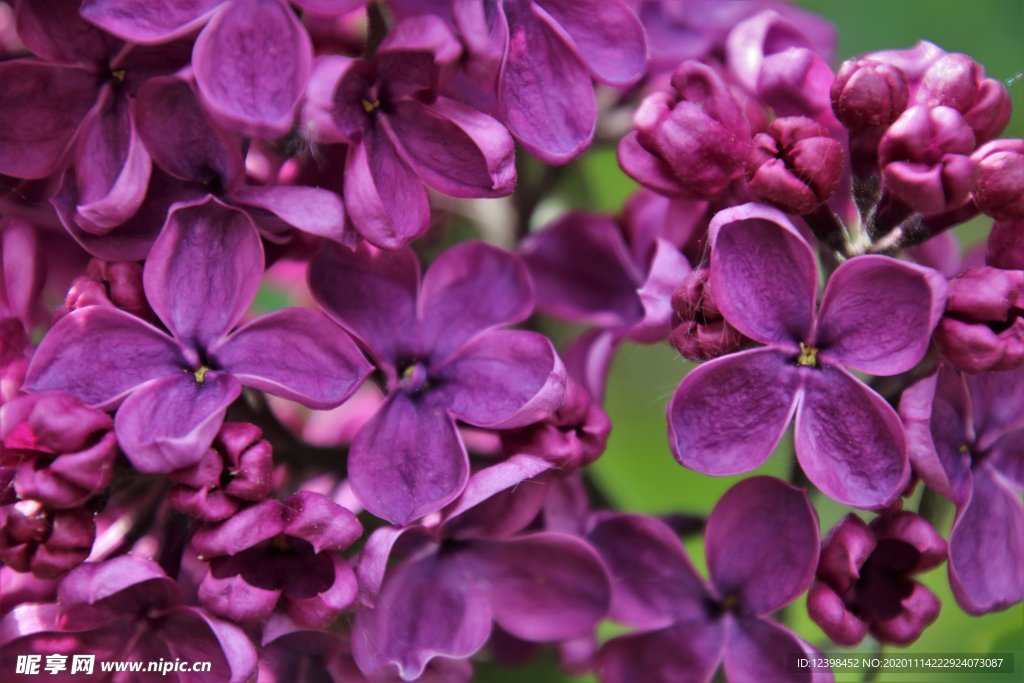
41 108
760 650
470 288
763 274
728 415
99 354
297 354
544 89
408 460
203 270
607 35
986 546
310 209
688 652
251 65
877 314
171 422
762 544
145 21
371 293
856 455
503 379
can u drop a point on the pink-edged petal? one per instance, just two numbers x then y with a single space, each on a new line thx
41 108
99 354
171 422
761 650
470 288
877 314
297 354
728 415
687 652
544 89
385 200
145 21
545 586
251 64
371 293
408 460
857 455
54 30
606 34
502 380
203 271
310 209
654 583
582 270
762 544
986 545
428 608
113 168
763 274
453 147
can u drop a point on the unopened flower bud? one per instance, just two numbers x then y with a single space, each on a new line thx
983 328
1005 247
1000 189
795 165
45 542
117 283
955 80
700 332
868 94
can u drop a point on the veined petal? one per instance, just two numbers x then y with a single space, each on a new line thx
233 655
99 354
687 652
759 649
145 21
728 415
607 34
309 209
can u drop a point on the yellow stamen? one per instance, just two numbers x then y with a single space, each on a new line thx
808 356
408 372
200 374
118 75
370 106
730 602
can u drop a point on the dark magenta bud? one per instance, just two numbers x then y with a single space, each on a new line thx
47 543
1005 247
699 331
868 94
955 80
794 165
117 283
1000 189
983 328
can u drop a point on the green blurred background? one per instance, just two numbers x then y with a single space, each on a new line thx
639 473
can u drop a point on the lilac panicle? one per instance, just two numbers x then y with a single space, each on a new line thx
443 360
876 316
173 389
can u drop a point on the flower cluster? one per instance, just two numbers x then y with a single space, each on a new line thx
277 390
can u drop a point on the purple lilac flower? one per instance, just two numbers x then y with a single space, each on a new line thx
173 389
965 435
762 548
442 360
864 579
434 592
983 328
877 315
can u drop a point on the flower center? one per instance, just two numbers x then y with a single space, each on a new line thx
808 356
371 106
200 374
414 377
118 75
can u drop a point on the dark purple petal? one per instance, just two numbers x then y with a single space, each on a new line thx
763 274
54 31
321 522
310 209
762 544
728 415
877 314
986 546
203 270
251 64
241 531
232 653
296 354
688 652
145 21
502 380
499 500
606 34
760 650
408 460
228 594
856 455
470 288
89 595
171 422
41 108
544 89
371 293
99 354
320 609
998 405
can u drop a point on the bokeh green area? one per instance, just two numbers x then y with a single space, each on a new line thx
638 472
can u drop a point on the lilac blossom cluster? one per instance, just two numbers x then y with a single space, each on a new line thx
386 479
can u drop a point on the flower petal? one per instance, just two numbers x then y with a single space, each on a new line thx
233 655
296 354
688 652
849 441
471 288
145 21
203 271
728 415
251 64
607 35
877 314
224 592
55 32
319 610
763 274
310 209
407 461
99 354
171 422
761 650
762 544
